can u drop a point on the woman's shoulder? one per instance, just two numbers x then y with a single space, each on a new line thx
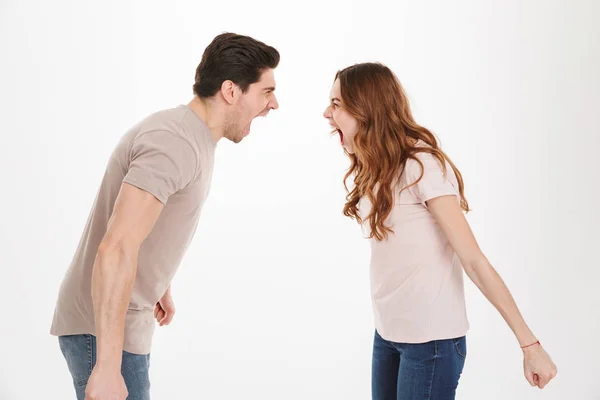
421 158
425 165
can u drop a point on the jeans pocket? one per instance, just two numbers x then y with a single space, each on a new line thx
78 353
460 344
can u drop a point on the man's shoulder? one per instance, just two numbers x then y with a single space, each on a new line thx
168 119
180 121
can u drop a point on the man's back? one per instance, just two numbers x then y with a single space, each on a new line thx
169 154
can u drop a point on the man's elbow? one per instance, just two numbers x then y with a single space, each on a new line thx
116 254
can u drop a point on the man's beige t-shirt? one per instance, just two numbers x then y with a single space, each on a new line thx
169 154
416 277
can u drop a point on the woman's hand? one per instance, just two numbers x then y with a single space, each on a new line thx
539 368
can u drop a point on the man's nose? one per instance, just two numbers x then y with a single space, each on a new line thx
274 103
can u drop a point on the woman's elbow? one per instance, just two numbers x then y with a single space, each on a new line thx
476 263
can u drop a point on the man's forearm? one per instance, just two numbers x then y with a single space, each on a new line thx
112 283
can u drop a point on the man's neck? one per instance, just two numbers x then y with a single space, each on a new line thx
210 114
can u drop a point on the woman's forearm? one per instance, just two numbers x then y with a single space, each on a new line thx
485 277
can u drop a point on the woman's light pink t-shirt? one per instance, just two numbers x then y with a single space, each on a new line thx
416 277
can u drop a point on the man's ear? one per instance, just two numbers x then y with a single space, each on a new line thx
230 92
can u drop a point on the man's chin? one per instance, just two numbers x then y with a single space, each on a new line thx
237 138
245 133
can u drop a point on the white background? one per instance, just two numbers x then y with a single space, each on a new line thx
272 296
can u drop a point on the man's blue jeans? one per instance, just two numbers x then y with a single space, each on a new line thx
80 354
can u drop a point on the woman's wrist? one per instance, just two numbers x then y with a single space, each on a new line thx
537 342
524 335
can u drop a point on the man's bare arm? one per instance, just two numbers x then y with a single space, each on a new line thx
134 215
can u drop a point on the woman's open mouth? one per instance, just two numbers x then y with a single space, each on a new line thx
339 131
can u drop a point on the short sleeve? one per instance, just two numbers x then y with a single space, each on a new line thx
434 183
161 163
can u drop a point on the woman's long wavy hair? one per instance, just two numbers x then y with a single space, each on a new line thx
386 139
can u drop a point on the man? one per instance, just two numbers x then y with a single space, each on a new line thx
145 215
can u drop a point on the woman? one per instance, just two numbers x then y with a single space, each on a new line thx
410 198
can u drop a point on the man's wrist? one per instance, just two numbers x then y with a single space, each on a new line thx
107 365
